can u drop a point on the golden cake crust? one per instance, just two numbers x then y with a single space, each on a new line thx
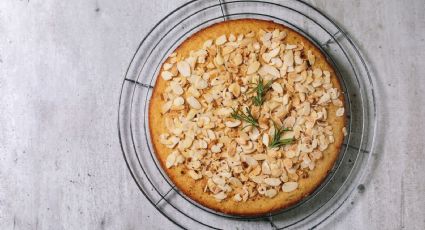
258 205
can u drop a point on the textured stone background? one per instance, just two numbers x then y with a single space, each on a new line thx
61 68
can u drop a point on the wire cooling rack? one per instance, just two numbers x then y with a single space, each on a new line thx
352 165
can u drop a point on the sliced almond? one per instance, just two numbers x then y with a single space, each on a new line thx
193 103
220 196
272 181
166 75
184 68
166 107
289 186
194 175
171 159
340 112
201 84
270 193
178 101
277 88
266 139
176 88
167 66
253 67
223 112
221 40
268 69
233 124
235 89
288 58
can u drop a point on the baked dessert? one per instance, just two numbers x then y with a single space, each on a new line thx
247 117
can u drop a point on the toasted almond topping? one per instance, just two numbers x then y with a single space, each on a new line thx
253 67
235 89
233 124
277 87
166 75
340 112
223 112
184 68
268 69
176 88
220 196
289 186
207 44
288 58
166 106
221 40
178 101
234 158
266 139
167 66
201 84
193 103
272 181
271 193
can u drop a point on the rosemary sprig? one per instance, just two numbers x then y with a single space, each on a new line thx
248 117
261 90
277 141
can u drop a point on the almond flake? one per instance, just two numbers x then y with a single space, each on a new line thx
166 75
167 66
221 40
194 175
268 69
340 112
166 106
220 196
270 193
277 87
253 67
193 103
288 58
289 186
178 101
184 68
272 181
233 124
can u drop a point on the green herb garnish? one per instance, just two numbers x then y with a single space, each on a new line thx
277 141
248 117
261 90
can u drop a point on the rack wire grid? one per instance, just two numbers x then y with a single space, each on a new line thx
354 160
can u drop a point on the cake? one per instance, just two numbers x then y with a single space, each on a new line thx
247 117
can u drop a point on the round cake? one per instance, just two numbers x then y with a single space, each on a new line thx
247 117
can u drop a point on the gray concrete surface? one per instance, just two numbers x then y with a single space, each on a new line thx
61 68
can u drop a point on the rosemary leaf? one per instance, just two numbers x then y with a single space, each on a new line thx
261 90
277 141
248 117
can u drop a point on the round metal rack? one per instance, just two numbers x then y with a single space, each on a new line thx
354 160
